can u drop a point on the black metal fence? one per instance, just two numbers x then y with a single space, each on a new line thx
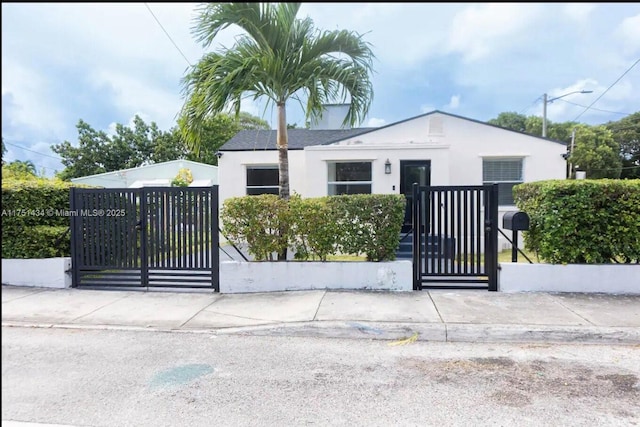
455 237
146 237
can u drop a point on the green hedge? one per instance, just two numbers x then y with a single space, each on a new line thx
259 221
582 221
33 225
39 241
316 227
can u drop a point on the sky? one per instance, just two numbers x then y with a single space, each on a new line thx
104 63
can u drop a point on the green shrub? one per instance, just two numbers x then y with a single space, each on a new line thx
33 220
316 227
582 221
369 224
260 221
314 231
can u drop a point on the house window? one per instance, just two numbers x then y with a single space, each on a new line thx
504 172
262 180
349 178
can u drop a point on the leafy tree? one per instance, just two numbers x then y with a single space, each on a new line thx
88 157
251 122
279 57
595 155
510 120
560 131
626 132
142 143
596 152
19 169
130 147
217 130
4 150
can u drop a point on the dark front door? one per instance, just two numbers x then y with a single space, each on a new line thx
412 171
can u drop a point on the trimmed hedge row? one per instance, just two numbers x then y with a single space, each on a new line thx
314 228
29 228
582 221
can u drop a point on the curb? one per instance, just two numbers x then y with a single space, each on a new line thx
427 332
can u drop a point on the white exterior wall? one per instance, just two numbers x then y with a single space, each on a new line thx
455 147
166 170
233 171
318 158
467 143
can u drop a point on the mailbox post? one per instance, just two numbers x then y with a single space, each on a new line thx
515 221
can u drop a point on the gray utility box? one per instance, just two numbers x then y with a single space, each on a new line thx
515 220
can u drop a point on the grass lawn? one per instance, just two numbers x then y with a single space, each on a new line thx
346 258
505 256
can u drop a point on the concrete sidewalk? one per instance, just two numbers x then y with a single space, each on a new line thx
439 315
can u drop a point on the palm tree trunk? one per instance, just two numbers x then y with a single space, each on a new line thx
283 166
283 156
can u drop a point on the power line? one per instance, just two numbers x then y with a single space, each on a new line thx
532 104
33 151
612 85
165 31
597 109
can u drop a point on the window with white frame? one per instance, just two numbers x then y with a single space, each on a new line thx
349 178
504 172
262 180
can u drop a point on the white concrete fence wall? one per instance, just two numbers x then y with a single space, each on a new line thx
238 277
41 273
600 278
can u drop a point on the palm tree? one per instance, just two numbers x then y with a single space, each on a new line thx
23 167
278 57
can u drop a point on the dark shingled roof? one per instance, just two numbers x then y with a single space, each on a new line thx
250 140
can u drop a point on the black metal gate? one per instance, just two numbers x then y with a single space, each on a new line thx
145 237
455 237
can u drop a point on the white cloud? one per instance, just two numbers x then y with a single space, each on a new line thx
561 102
453 103
629 33
375 122
398 32
134 94
32 103
427 108
499 57
578 12
477 31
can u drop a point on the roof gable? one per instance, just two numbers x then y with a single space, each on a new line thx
298 139
457 117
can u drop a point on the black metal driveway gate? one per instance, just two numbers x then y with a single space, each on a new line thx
145 237
455 237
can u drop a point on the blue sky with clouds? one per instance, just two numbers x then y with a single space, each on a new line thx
106 62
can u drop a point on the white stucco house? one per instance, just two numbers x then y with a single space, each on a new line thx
435 148
153 175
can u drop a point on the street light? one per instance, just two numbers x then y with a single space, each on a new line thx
546 100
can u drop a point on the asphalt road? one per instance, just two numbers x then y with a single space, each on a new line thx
86 377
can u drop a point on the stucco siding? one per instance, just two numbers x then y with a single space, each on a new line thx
454 146
233 170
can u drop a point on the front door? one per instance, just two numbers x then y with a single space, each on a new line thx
412 171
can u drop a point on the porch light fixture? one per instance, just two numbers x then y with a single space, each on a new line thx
387 167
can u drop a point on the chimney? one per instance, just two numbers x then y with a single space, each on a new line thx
332 117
